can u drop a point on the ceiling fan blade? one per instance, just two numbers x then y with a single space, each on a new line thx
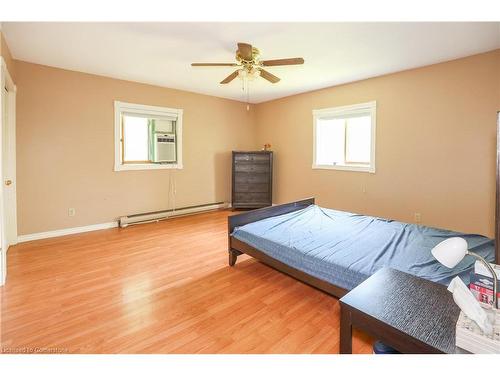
214 64
230 77
245 51
270 77
291 61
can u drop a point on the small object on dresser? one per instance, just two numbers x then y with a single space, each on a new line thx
267 147
481 283
471 338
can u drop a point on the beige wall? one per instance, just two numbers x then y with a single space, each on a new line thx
435 147
435 151
5 53
65 149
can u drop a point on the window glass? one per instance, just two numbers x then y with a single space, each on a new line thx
358 140
330 134
135 139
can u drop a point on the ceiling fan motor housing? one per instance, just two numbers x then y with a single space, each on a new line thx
254 60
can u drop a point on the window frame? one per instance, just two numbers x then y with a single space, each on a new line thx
347 111
141 109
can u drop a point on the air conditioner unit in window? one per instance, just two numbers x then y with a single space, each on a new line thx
164 150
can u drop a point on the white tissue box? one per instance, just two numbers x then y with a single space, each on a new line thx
470 337
481 269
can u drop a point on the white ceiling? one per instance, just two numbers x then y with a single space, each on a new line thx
161 53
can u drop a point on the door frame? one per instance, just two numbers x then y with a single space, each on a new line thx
10 97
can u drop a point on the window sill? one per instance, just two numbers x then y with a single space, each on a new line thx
145 167
352 168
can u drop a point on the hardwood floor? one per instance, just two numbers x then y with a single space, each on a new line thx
159 288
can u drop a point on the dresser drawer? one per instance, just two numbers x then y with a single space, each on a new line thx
250 178
251 167
252 197
251 188
255 158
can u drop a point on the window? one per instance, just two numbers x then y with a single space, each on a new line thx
344 138
147 137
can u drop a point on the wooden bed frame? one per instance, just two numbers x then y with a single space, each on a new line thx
237 247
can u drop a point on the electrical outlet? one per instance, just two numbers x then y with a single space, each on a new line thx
71 212
363 189
418 217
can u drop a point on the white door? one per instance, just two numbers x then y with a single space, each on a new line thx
8 220
9 169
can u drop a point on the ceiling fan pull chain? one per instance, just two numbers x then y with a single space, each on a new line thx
248 95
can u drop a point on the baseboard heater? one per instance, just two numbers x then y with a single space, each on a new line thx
150 217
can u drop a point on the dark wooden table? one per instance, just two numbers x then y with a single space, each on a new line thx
408 313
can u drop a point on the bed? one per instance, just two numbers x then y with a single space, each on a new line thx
335 251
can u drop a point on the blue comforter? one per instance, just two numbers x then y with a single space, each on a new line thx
345 248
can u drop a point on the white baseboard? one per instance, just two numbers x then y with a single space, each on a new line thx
113 224
151 217
65 232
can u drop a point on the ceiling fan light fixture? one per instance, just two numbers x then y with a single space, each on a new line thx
255 72
249 73
242 73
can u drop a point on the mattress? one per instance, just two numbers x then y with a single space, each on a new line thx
344 249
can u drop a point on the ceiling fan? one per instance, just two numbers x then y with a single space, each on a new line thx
250 65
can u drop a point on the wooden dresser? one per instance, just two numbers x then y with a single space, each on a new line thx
252 185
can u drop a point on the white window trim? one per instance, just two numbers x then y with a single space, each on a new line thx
147 110
339 112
